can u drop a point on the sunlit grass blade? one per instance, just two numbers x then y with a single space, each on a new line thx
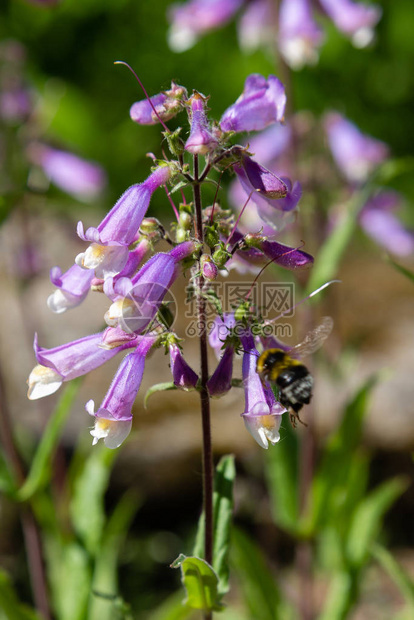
257 583
40 470
401 579
87 506
222 514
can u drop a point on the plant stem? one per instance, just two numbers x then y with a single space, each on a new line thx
204 395
30 528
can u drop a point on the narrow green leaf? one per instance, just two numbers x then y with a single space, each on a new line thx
341 597
329 257
258 585
367 519
332 476
10 605
281 469
158 387
172 609
40 470
223 513
200 582
87 506
222 520
105 577
70 576
402 580
405 272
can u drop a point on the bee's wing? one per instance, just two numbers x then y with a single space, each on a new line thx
314 339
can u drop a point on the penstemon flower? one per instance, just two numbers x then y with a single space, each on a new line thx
289 23
123 263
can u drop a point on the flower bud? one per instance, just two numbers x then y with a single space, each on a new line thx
220 256
200 141
208 269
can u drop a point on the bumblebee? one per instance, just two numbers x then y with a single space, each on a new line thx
292 378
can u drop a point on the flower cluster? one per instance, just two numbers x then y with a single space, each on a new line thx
289 23
113 263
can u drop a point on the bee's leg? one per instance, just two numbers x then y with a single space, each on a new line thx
301 421
292 418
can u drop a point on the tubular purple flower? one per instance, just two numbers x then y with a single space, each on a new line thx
271 143
195 17
380 223
80 178
220 330
356 154
113 420
283 255
257 25
183 375
262 415
72 288
299 34
258 179
356 20
66 362
220 381
108 252
261 104
167 104
138 299
114 337
200 141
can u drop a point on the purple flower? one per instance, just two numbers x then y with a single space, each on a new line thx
355 19
65 363
108 252
220 330
261 104
167 104
72 288
195 17
209 269
283 255
138 299
379 222
80 178
113 420
257 25
200 141
258 179
114 337
184 376
262 415
271 143
299 35
355 153
220 381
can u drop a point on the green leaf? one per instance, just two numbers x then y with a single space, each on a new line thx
281 469
341 596
402 580
172 609
367 519
223 513
393 168
87 506
329 257
200 582
40 470
10 605
104 595
258 584
159 387
405 272
70 577
332 476
222 520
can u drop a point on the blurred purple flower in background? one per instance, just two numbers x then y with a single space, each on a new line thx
290 24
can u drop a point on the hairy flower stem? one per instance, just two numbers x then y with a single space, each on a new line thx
204 395
30 528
